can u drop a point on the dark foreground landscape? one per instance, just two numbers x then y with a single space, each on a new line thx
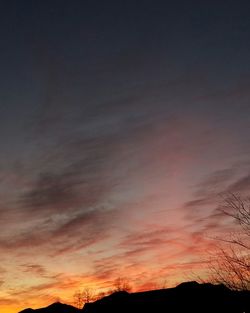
186 297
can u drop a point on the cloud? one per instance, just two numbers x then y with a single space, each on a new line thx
71 234
52 191
36 269
215 182
196 203
149 239
203 212
242 185
32 290
8 301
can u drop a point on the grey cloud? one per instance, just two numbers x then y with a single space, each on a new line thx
215 182
77 170
73 176
75 233
196 203
137 244
205 207
242 185
52 190
220 183
78 222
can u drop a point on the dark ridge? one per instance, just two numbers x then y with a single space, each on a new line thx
186 297
189 284
56 307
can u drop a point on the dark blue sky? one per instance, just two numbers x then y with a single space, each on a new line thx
62 62
114 111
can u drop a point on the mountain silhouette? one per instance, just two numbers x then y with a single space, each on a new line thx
56 307
186 297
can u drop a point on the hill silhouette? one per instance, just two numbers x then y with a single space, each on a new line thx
186 297
56 307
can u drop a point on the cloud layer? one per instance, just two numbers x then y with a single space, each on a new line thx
122 128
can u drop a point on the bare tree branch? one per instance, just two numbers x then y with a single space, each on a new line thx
231 263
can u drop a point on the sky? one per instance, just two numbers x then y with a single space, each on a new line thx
122 125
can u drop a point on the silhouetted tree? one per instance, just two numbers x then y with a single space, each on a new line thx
78 299
231 265
121 284
82 297
87 295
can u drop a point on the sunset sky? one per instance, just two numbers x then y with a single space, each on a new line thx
121 125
